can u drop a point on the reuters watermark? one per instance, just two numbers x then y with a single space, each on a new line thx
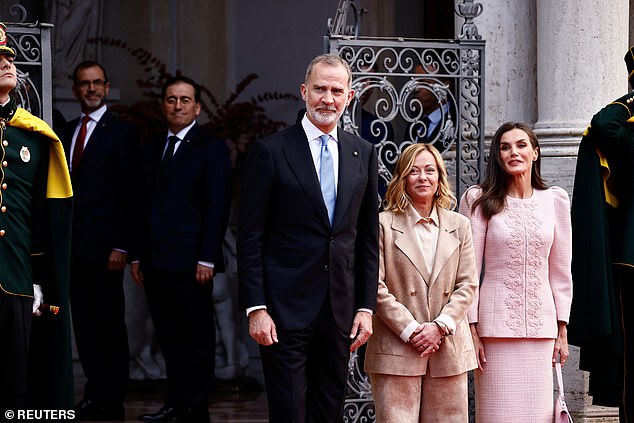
39 415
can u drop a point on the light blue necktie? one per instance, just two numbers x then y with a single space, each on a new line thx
327 177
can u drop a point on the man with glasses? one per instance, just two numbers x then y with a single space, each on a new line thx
101 150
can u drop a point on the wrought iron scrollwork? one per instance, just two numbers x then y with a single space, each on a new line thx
339 24
359 404
407 92
27 47
417 91
18 13
33 62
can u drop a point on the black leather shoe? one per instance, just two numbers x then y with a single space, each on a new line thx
165 414
91 410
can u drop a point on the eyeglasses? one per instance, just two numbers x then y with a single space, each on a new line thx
99 83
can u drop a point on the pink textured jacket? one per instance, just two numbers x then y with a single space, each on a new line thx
526 251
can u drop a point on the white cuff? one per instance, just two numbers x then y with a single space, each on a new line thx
258 307
448 322
409 330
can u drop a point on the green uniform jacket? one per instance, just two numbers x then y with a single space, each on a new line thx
50 369
603 236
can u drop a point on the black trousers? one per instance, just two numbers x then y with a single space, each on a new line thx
306 372
15 335
182 312
98 312
626 379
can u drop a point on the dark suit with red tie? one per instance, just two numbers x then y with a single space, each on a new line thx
312 276
103 199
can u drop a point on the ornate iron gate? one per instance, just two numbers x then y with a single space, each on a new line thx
32 44
409 91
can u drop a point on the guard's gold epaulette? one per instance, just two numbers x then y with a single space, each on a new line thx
630 103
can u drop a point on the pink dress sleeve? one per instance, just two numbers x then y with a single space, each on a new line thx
560 258
479 231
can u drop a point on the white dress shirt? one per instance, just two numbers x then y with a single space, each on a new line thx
90 127
314 143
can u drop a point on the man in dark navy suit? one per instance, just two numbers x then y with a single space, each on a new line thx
308 250
101 150
185 198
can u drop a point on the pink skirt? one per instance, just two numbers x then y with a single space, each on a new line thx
517 382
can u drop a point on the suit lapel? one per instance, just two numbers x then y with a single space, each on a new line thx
96 135
406 242
300 162
447 241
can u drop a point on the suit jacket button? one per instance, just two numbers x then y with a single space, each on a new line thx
4 186
3 209
326 267
2 233
413 293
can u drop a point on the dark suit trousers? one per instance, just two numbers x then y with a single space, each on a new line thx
306 371
15 335
182 312
98 312
625 286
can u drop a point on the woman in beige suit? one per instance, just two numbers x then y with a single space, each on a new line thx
421 349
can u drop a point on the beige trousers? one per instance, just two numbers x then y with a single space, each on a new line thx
420 399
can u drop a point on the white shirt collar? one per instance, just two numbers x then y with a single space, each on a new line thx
312 132
182 133
433 216
96 115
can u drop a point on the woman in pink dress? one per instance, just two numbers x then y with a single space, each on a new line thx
522 241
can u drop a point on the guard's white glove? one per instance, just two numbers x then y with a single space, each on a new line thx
38 299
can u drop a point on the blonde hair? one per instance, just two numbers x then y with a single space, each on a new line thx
396 197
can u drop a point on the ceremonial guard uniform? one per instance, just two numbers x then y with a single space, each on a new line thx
603 253
35 211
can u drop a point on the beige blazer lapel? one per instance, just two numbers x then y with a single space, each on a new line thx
447 242
406 241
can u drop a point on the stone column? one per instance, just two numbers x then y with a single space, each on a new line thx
510 68
580 68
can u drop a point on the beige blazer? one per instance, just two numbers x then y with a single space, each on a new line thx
408 292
